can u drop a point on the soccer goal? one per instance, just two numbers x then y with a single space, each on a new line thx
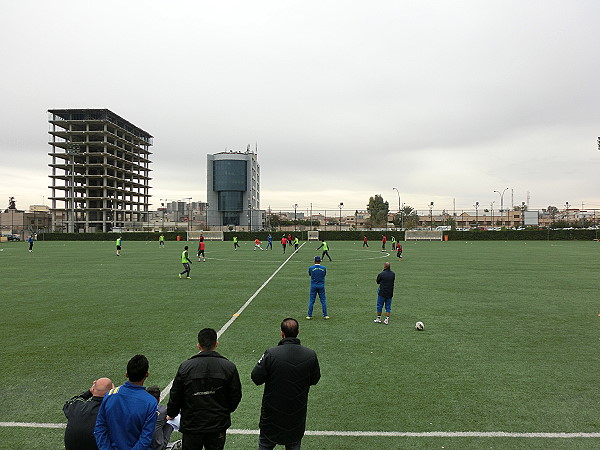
313 235
207 235
423 235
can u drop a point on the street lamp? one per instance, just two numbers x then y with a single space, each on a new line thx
400 209
431 216
250 216
501 204
476 205
566 212
492 210
72 151
189 199
341 205
295 216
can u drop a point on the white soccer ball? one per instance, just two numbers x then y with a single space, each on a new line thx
419 326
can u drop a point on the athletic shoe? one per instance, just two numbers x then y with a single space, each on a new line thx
308 317
179 275
326 317
189 278
386 321
377 321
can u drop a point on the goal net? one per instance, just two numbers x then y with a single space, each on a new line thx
208 235
313 235
423 235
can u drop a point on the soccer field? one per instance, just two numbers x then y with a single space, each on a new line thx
510 345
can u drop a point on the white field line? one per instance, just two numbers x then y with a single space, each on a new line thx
167 389
448 434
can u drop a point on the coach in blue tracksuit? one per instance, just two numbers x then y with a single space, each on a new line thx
317 274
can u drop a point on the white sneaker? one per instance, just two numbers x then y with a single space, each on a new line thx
386 321
377 321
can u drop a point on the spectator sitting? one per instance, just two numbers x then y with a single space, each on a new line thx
162 431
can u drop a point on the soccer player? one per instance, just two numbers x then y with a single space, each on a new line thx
393 243
270 241
119 243
185 260
399 250
325 249
257 244
296 243
317 274
385 280
30 242
383 241
283 242
201 251
235 243
365 242
161 241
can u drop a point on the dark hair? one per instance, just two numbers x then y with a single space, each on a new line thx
289 327
137 368
207 338
185 248
154 391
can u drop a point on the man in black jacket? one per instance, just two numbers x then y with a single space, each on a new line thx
385 280
206 390
288 371
81 412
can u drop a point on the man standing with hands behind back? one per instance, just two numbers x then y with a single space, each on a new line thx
288 371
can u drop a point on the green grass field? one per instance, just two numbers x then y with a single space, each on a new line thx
511 338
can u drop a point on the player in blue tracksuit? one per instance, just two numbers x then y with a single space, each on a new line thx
317 274
269 242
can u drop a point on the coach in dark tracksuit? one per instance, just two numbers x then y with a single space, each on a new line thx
288 371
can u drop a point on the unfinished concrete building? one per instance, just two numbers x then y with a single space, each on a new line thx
100 171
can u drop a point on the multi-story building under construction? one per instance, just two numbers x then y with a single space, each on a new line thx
100 171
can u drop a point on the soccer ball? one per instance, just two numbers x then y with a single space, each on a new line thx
419 326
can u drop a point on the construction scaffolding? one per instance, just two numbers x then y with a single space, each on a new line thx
100 171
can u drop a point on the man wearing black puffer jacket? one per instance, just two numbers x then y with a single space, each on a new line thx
206 390
288 371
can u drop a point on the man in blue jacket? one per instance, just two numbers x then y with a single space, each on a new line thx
127 416
317 274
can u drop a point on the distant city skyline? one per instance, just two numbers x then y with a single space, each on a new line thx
447 102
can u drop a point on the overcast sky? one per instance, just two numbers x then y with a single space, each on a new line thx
445 100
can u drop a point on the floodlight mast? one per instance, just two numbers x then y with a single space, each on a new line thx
501 205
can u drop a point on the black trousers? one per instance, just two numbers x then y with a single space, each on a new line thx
209 441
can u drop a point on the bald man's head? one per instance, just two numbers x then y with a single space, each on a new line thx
101 386
386 265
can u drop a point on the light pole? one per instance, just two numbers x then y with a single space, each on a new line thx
567 212
431 216
501 204
206 209
476 205
400 209
189 199
295 216
492 210
341 205
72 150
249 216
